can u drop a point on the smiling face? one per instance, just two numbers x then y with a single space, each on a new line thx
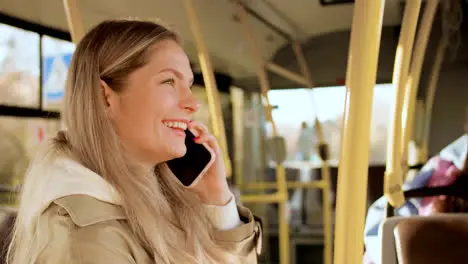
155 106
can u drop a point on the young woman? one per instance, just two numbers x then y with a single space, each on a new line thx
101 192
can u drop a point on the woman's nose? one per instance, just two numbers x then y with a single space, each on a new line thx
190 103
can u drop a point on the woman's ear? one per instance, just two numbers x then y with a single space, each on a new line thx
111 99
106 93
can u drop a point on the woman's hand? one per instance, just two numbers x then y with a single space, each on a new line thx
213 187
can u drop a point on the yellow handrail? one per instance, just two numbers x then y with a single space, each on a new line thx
289 184
354 155
237 99
412 82
304 79
75 24
282 194
325 182
434 78
265 198
214 106
394 173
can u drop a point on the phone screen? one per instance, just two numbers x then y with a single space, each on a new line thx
189 167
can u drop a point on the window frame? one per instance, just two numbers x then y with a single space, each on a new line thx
340 2
36 112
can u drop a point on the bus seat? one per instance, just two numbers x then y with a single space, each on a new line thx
431 239
388 250
435 239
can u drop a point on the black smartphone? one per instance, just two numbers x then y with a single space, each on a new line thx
196 161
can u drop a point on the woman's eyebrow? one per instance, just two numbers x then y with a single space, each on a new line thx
177 73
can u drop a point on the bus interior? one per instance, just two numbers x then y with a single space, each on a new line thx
321 107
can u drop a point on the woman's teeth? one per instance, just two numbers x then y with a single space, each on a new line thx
175 124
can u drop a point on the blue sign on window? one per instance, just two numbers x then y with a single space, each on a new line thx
54 75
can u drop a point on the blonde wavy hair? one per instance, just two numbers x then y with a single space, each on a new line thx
166 218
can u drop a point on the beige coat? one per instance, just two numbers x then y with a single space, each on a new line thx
98 233
87 225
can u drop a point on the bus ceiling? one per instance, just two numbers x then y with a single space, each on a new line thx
272 20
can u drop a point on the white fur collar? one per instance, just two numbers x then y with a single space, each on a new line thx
51 180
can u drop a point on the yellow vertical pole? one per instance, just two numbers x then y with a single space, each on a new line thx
412 82
216 114
355 138
237 99
394 172
75 24
433 79
327 210
280 171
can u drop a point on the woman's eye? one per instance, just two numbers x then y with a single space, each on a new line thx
170 81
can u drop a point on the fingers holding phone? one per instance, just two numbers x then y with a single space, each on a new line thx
192 167
203 136
212 187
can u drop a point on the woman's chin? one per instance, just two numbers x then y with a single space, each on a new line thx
174 152
179 152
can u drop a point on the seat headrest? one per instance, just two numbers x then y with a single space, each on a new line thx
431 240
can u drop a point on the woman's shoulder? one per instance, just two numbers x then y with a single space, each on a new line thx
82 228
84 210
